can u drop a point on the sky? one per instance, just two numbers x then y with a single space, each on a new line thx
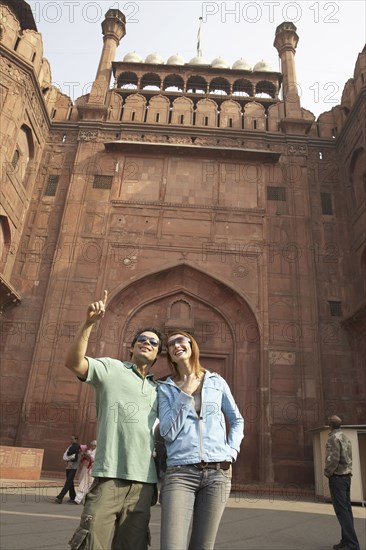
331 35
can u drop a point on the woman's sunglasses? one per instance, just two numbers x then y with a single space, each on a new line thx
179 340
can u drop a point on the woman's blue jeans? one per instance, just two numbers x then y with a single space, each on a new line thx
192 498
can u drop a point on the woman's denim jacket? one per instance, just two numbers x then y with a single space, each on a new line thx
190 437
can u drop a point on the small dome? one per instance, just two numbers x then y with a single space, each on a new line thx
154 58
262 66
175 60
198 60
132 57
220 63
242 65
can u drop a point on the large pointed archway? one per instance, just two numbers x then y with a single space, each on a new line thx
223 324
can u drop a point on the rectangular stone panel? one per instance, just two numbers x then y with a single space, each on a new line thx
20 463
238 185
187 183
141 179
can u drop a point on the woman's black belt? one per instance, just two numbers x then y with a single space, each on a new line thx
211 465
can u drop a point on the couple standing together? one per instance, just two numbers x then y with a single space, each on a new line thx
193 406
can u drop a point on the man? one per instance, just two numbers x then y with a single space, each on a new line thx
119 500
72 457
338 469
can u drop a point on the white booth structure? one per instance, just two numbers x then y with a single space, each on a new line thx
357 435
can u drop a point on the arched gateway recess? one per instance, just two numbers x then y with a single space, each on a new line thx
222 323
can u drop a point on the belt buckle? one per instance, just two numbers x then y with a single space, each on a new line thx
202 465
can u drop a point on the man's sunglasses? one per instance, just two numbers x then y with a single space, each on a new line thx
143 339
179 340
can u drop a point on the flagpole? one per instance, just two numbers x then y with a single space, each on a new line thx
199 51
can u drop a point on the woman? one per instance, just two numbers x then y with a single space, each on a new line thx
193 404
85 477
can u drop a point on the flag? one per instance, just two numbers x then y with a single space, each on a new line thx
199 52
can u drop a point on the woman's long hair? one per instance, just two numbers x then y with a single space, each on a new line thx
195 356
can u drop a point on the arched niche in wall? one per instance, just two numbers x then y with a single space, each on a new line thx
23 153
225 328
357 176
134 108
206 113
254 116
182 111
273 118
5 241
179 315
230 114
158 111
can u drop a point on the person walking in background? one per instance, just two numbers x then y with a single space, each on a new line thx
193 406
117 505
72 457
338 469
85 475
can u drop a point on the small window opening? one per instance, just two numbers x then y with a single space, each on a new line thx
326 202
335 308
15 159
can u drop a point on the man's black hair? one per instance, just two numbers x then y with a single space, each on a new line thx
149 329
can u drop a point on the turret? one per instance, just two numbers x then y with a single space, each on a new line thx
285 42
114 29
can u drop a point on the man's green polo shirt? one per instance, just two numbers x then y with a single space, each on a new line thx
127 409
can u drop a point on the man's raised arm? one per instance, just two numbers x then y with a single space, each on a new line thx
75 358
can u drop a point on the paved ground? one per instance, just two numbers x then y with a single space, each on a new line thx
30 521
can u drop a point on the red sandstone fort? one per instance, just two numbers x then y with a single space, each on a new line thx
202 197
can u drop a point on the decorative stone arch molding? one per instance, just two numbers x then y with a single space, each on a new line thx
225 327
179 315
357 176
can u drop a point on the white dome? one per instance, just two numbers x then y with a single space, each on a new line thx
198 60
132 57
154 58
175 59
242 65
262 66
220 63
